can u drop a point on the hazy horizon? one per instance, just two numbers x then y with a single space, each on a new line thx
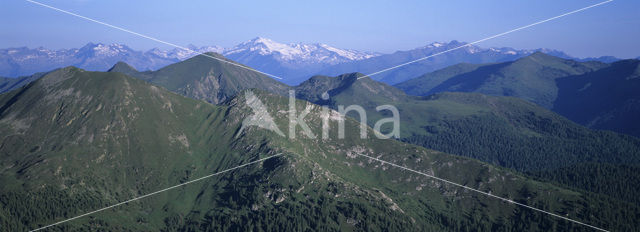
166 48
376 26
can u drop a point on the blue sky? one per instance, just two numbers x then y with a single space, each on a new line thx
382 26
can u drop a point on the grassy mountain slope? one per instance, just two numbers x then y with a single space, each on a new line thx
208 79
312 89
505 131
74 141
531 78
338 157
423 84
7 84
605 99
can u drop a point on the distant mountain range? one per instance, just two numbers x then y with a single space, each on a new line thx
296 59
294 62
24 61
469 54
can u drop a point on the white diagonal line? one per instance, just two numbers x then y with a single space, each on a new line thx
485 39
156 192
485 193
149 37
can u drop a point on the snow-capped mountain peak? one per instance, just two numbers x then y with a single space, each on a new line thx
293 61
296 52
110 49
260 52
264 46
100 49
183 54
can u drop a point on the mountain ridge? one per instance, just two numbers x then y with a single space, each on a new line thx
97 57
531 78
466 54
561 85
294 61
100 57
156 138
211 80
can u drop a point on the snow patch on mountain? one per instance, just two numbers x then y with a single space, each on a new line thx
298 52
294 61
183 54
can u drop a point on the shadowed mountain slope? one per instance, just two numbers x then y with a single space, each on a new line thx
607 99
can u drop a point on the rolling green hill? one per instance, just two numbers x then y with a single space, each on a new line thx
422 85
504 131
531 78
205 78
596 95
75 141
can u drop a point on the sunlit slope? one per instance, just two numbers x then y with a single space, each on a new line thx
211 79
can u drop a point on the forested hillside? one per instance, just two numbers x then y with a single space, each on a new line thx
505 131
